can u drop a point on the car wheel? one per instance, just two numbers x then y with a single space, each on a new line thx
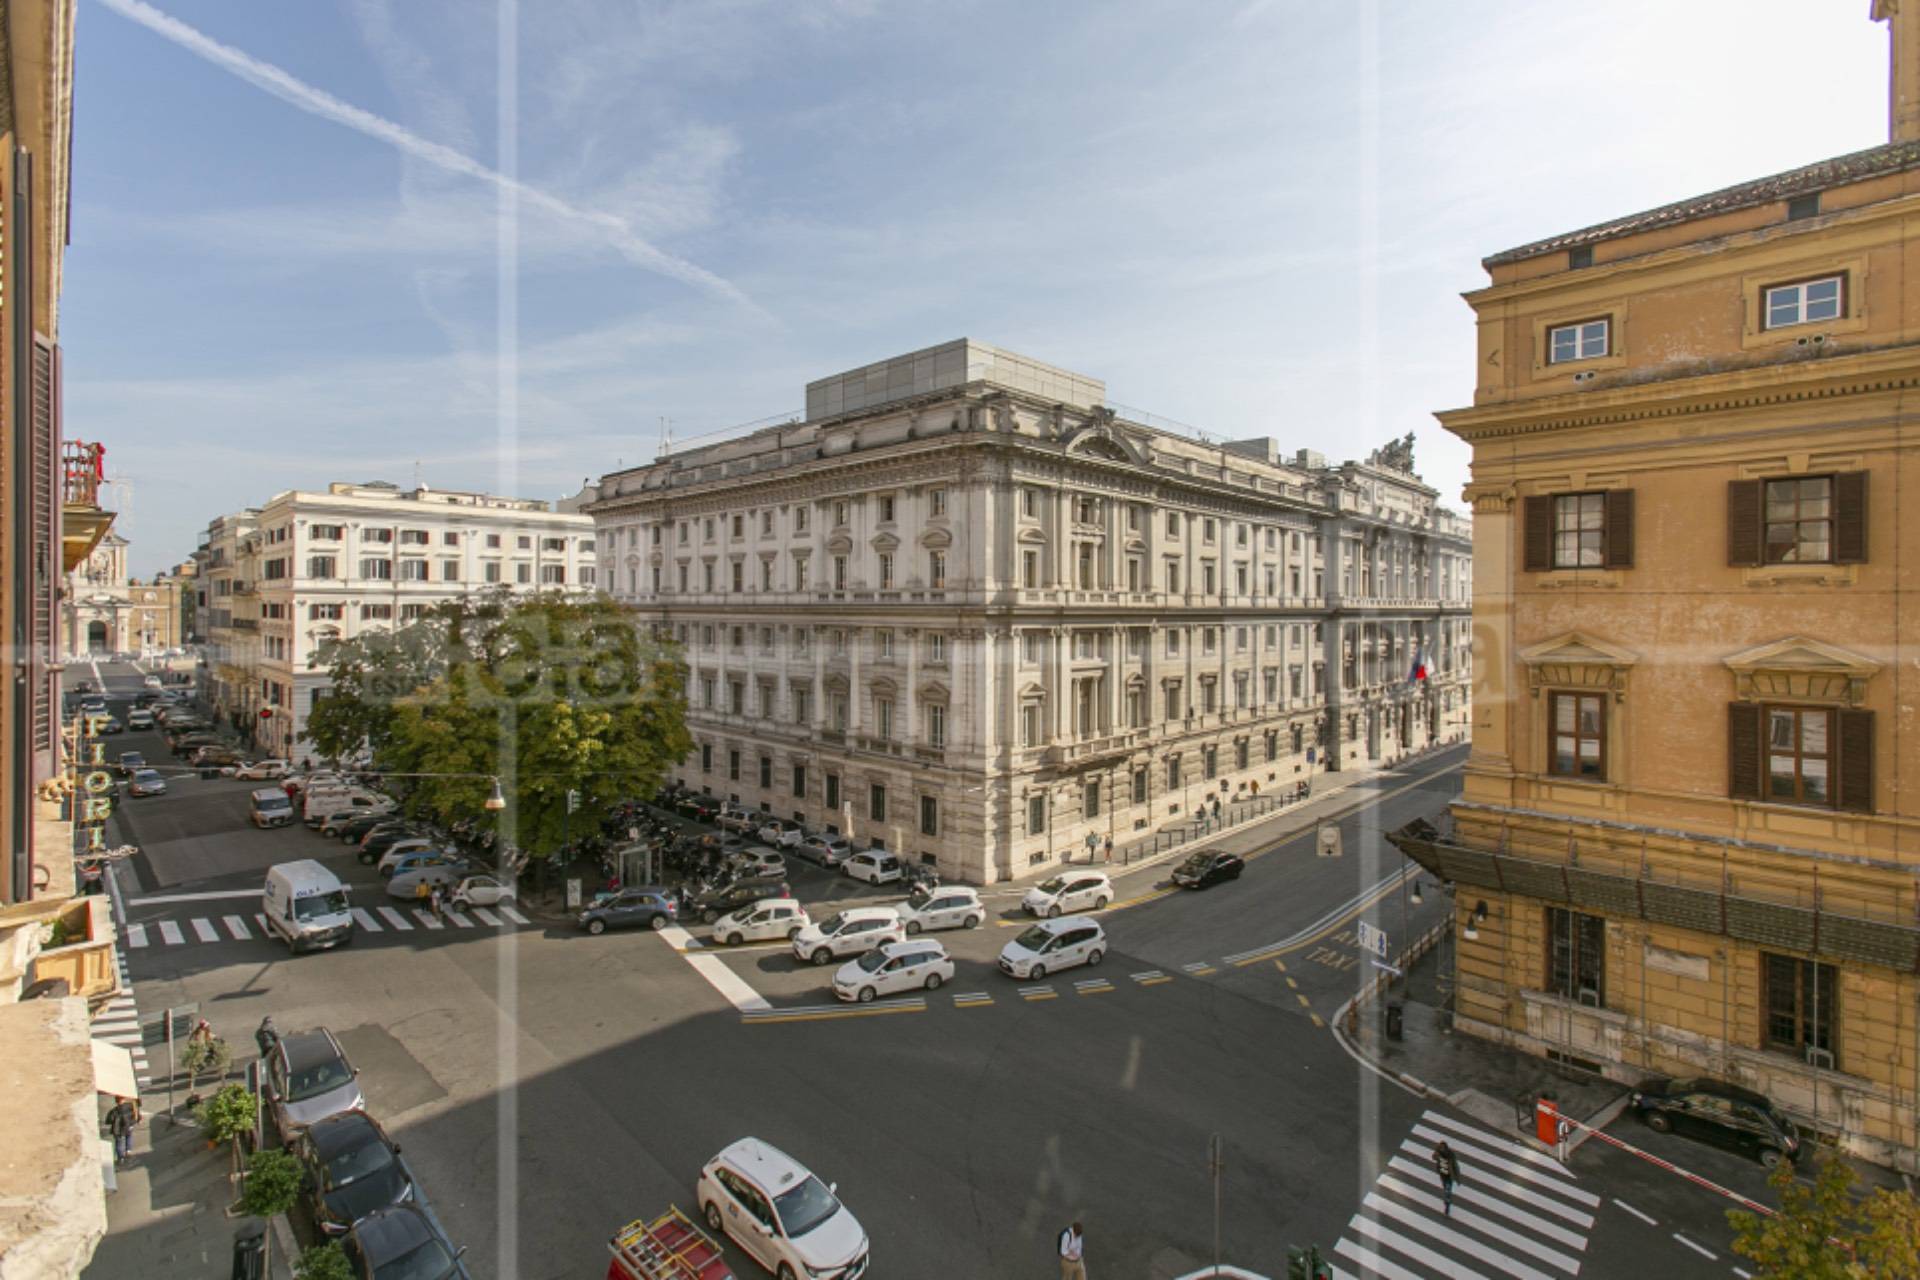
973 922
596 927
821 955
733 939
1095 956
913 926
933 981
1053 912
1770 1159
1659 1121
708 917
866 995
786 1272
1037 973
657 923
1100 903
715 1223
793 933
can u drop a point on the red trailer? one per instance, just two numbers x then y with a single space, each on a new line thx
669 1247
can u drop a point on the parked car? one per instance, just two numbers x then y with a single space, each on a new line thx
111 726
402 1242
714 903
308 1078
353 828
875 866
696 808
1068 891
351 1169
630 908
484 891
757 863
733 818
950 906
824 851
335 824
398 863
262 770
762 921
139 718
1207 868
131 762
212 757
441 874
1052 945
152 682
1724 1115
408 847
785 1218
146 782
374 845
780 833
899 966
847 933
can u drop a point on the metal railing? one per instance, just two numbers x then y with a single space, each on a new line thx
1233 813
83 469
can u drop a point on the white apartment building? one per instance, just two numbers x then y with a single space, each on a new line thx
280 580
967 611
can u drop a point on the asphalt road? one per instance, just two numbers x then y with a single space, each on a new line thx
548 1086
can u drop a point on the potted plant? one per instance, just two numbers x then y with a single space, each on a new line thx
227 1114
323 1262
272 1185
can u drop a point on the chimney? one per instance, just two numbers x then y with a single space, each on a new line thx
1903 89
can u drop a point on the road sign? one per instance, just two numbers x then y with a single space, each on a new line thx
573 801
1327 841
154 1030
1374 939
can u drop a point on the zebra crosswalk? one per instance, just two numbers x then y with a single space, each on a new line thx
118 1023
1516 1212
245 928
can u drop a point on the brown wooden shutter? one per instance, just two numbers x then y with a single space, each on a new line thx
1743 750
1855 789
1850 518
1619 529
1743 522
1539 533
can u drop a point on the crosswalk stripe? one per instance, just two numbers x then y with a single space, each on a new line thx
1441 1264
427 919
485 915
170 933
1426 1177
1557 1185
513 915
237 927
1485 1226
395 919
459 919
1447 1235
204 928
1374 1264
136 937
364 918
1503 1145
1423 1155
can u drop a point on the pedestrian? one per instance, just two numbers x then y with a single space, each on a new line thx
1073 1249
438 906
1109 849
202 1033
1216 809
421 893
1448 1168
266 1036
121 1120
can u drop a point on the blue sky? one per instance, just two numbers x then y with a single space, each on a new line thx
1255 218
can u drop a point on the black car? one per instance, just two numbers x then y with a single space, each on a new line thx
1207 868
131 762
356 828
1722 1114
714 903
382 838
352 1169
697 808
401 1243
628 909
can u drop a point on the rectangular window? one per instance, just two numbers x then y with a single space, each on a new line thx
936 647
523 572
766 575
733 766
883 717
1799 755
1576 956
376 535
886 510
1579 530
1579 735
833 791
706 757
1800 520
799 573
1090 801
800 780
936 725
837 711
937 569
1173 773
1586 340
1030 570
1807 302
737 697
877 802
320 612
936 502
1139 786
1240 753
490 571
802 705
840 513
800 519
738 572
413 571
1210 762
413 537
449 570
1036 814
380 569
839 573
739 526
322 566
1030 729
378 612
1802 1008
1029 503
886 569
324 532
929 816
553 575
766 772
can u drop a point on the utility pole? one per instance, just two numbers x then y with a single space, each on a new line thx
1216 1166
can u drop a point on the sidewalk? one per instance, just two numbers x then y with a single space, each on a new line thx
167 1216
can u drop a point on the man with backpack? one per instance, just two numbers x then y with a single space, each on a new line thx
1073 1250
1448 1168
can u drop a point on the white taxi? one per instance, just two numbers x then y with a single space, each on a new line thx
898 966
783 1216
947 907
1053 945
762 921
1069 891
847 933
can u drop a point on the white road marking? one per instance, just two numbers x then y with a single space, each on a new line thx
1702 1250
1441 1264
513 915
1478 1171
395 919
1502 1145
1466 1194
170 933
136 935
1448 1236
1635 1212
1149 973
1558 1185
426 918
485 915
193 897
237 927
1374 1263
1485 1226
458 919
366 921
1743 1274
204 928
262 922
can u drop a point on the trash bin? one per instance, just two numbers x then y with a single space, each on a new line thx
1395 1021
250 1250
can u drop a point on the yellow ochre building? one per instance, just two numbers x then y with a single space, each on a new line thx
1687 841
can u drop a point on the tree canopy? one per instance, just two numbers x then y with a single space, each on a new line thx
1824 1231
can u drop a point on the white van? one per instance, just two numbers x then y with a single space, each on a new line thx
270 807
307 906
321 803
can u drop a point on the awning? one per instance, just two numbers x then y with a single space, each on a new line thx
113 1070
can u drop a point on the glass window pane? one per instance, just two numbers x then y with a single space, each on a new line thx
1564 711
1783 308
1780 776
1563 755
1780 730
1566 548
1813 733
1781 507
1813 552
1822 290
1813 779
1593 338
1592 514
1563 344
1590 716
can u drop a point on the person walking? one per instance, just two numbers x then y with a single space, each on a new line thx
1448 1168
1073 1251
1109 849
437 904
121 1121
266 1035
422 894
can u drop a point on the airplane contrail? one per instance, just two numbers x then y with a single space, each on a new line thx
318 102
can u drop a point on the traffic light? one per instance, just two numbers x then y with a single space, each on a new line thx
573 800
1306 1264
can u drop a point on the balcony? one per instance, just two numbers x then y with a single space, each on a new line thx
82 522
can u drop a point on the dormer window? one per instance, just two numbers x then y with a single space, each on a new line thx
1586 340
1805 302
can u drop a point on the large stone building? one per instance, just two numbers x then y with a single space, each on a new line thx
278 581
966 611
104 611
1688 840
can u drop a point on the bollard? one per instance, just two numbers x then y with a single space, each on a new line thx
250 1250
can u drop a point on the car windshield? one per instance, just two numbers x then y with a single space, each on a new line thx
805 1207
1034 938
147 776
321 1077
871 962
275 801
350 1166
1053 886
320 904
429 1261
1197 862
833 922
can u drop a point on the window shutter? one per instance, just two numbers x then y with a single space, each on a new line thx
1855 791
1619 529
1539 533
1850 517
1743 522
1743 750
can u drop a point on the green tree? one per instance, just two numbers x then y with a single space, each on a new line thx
272 1183
228 1113
1825 1231
323 1262
371 673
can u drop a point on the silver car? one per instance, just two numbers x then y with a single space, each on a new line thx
445 875
309 1079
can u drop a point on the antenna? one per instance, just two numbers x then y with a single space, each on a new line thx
666 435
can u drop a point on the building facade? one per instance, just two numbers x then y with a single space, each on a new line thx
103 611
967 612
279 581
1684 845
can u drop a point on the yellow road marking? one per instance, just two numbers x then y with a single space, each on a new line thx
1316 1020
1357 910
1281 965
1201 973
1091 991
838 1013
1292 984
1153 982
1303 1001
1042 995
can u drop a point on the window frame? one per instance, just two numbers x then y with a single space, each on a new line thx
1575 939
1799 754
1839 278
1554 735
1814 1022
1576 327
1831 519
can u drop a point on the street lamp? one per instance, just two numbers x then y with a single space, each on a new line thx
496 801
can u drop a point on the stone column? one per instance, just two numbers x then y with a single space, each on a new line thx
1489 771
911 702
1058 691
